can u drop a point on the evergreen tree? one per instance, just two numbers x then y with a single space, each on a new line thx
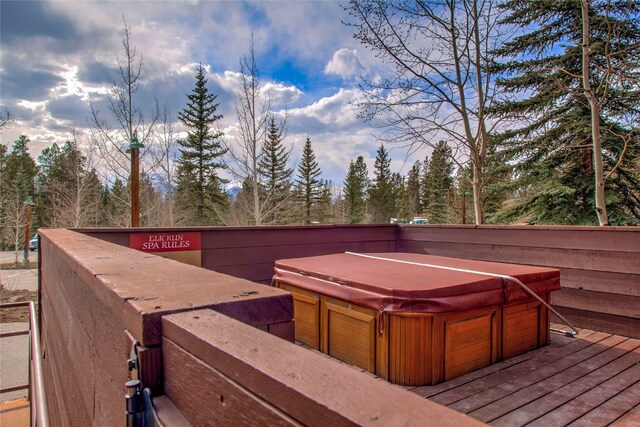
414 190
498 182
552 152
308 183
355 189
439 184
17 183
400 198
276 176
424 199
381 197
70 196
118 211
199 187
324 207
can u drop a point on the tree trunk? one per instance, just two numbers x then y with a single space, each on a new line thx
596 136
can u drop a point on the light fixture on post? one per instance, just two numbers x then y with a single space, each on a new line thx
27 229
134 149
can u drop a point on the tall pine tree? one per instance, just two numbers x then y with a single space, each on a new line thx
439 185
552 152
18 171
424 200
276 177
381 196
356 185
199 188
414 190
308 183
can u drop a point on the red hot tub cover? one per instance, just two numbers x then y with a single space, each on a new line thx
380 282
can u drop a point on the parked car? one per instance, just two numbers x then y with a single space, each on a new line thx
418 220
33 243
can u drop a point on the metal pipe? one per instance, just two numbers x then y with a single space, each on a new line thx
133 404
14 388
37 395
14 333
14 304
40 397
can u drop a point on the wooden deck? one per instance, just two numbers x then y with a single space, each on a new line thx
591 380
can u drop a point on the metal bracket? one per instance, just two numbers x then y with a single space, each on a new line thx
133 364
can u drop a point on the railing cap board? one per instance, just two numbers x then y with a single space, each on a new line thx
305 385
615 239
146 287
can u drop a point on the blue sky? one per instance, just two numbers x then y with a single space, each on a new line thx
56 55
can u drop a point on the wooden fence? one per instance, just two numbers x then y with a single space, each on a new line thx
599 266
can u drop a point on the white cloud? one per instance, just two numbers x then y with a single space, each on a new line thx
345 63
280 94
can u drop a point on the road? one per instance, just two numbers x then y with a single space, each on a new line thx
9 256
14 350
18 279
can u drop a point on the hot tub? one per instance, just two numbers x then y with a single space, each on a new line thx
416 319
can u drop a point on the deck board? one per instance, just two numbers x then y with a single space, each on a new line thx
515 377
593 380
609 411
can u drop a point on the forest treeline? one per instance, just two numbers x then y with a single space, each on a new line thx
530 110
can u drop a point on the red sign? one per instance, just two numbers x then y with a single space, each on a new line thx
165 242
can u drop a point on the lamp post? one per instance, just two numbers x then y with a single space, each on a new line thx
27 229
134 148
464 195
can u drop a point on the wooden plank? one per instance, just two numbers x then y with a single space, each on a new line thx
536 396
304 385
254 272
623 239
568 355
602 302
595 393
284 330
630 419
620 325
252 253
560 341
383 362
306 309
601 281
233 237
350 335
189 382
617 262
521 324
168 413
410 357
467 345
614 408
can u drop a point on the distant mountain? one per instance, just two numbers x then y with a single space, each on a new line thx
233 191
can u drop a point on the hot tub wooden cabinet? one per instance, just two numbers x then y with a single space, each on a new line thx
416 319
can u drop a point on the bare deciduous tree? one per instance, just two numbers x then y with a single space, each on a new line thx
618 69
166 150
440 82
5 117
73 188
110 141
253 110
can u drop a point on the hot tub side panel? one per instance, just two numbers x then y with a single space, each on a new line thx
417 348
